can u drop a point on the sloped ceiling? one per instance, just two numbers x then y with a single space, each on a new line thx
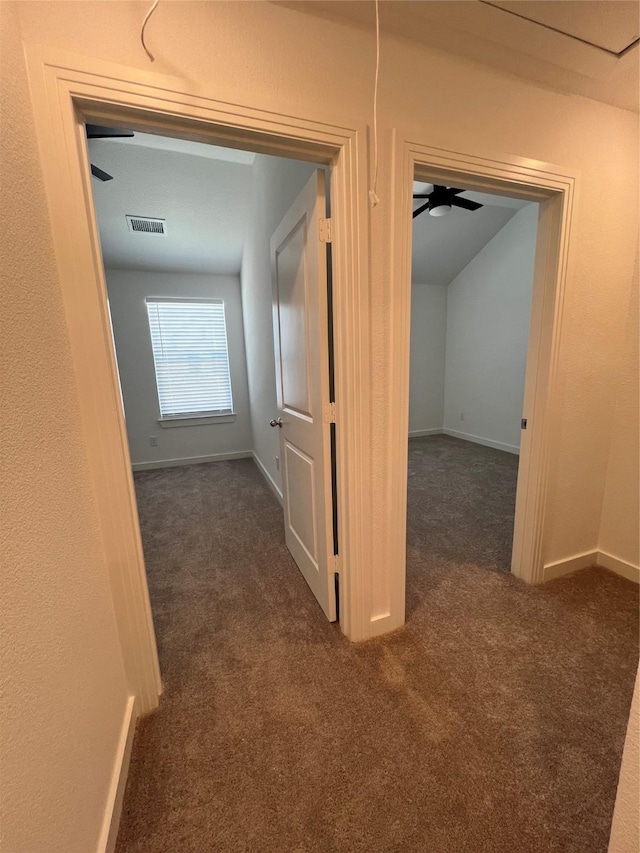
585 47
443 246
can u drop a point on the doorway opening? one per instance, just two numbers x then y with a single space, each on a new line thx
472 279
216 267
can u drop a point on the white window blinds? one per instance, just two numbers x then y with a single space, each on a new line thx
189 339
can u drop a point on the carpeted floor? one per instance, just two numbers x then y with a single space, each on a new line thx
461 504
492 723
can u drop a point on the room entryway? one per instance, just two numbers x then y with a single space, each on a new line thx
217 274
472 281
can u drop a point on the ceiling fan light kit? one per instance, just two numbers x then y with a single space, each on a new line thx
440 200
440 210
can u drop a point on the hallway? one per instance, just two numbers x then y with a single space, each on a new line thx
493 721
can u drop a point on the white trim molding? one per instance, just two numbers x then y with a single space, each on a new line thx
115 797
190 460
68 89
553 187
182 421
620 567
591 558
419 433
569 565
486 442
267 476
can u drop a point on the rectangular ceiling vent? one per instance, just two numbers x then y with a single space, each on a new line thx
146 225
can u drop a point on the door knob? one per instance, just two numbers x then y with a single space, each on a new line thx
276 422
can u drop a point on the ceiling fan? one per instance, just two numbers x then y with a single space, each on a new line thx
441 199
96 131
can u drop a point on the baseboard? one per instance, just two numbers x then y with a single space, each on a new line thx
570 564
418 433
190 460
113 810
620 567
487 442
591 558
270 481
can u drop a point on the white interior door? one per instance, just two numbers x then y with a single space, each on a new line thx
300 326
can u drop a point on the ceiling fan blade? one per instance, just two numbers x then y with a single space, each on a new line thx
454 191
421 209
422 195
100 174
466 203
96 131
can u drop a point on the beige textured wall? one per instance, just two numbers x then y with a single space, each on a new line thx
619 526
62 658
63 683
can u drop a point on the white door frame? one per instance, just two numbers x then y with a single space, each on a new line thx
65 89
554 188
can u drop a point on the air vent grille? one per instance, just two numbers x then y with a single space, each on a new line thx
146 225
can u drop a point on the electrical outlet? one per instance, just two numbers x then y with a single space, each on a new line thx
278 462
153 440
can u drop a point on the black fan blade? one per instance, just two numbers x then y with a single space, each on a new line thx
99 174
422 195
466 203
96 131
454 191
421 209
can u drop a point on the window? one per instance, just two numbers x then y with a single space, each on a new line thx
189 339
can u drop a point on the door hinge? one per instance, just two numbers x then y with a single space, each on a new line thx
523 423
329 413
334 564
324 230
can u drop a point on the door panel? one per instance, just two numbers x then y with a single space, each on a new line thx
299 476
292 296
301 340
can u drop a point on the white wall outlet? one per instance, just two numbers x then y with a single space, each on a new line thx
278 463
153 440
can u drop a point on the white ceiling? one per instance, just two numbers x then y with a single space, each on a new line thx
443 246
202 192
196 149
539 40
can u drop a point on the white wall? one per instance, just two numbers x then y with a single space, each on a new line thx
488 308
625 829
428 336
127 293
276 183
61 660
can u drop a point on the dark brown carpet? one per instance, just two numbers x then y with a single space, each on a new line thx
462 500
494 721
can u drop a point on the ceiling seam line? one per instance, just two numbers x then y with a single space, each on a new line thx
617 54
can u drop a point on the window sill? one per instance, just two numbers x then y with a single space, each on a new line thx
171 423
